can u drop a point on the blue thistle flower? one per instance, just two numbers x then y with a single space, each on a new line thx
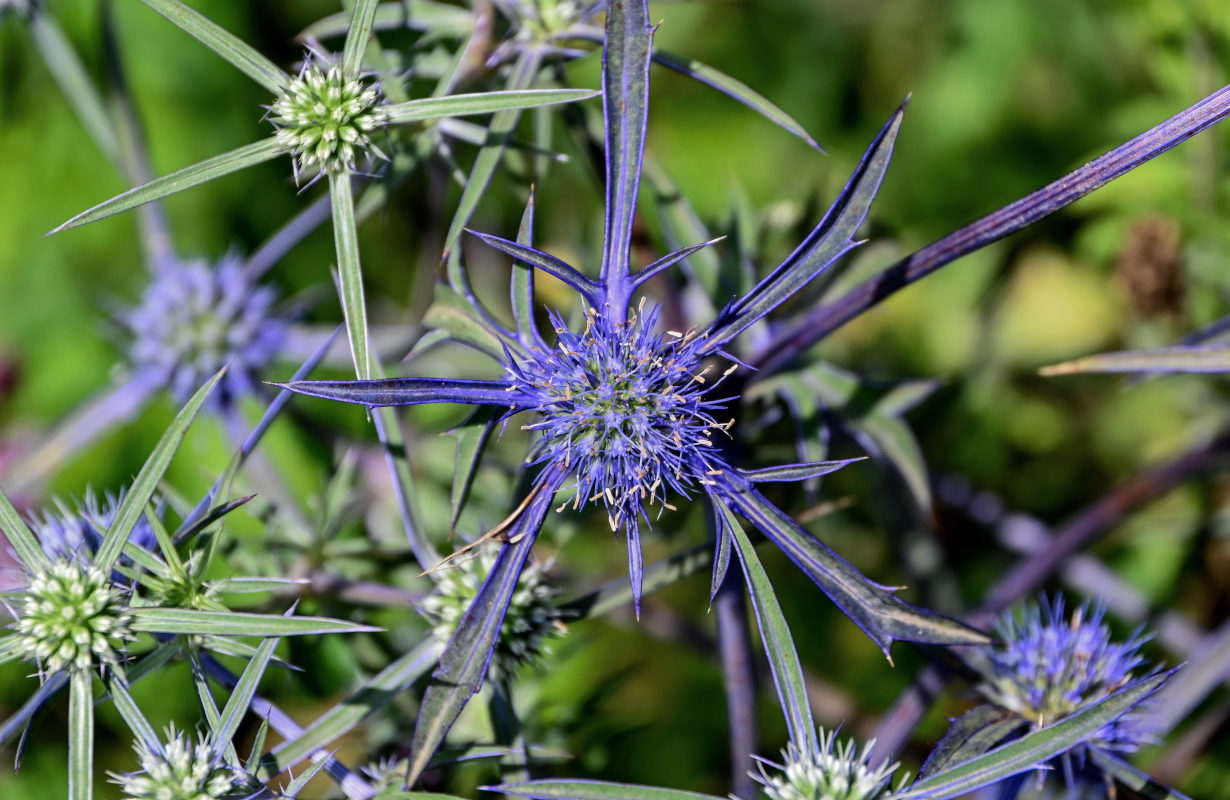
74 530
624 409
196 317
1050 665
627 409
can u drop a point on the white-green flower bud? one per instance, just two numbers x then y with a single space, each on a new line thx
323 120
72 617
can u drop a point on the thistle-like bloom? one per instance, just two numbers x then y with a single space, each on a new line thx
1049 665
72 617
75 530
324 119
182 770
625 407
832 771
196 317
622 410
530 624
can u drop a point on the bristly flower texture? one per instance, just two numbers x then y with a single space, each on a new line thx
324 118
625 408
74 531
182 770
833 771
72 617
530 624
1049 665
195 318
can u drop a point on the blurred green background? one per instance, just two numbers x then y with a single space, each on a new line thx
1006 96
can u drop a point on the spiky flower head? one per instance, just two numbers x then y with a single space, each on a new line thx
1049 665
183 770
196 317
74 530
627 409
531 622
72 617
833 771
324 119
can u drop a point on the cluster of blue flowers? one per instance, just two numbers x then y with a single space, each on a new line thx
621 413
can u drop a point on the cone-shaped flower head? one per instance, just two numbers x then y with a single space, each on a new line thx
833 771
183 770
531 622
627 409
1049 665
72 617
196 317
324 118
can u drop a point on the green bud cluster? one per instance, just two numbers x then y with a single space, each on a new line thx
72 617
181 770
323 120
834 771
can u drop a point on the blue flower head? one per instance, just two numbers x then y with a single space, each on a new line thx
196 317
74 530
1049 666
627 409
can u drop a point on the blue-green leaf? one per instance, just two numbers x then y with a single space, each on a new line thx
458 105
19 535
146 482
362 17
241 697
778 643
236 623
1206 358
201 172
350 273
1034 748
970 735
224 43
883 616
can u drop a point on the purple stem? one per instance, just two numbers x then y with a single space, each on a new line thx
897 725
978 234
738 671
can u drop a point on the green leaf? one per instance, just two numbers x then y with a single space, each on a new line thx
131 712
254 585
451 312
882 615
970 735
1033 748
796 472
360 33
10 649
502 124
374 694
237 52
201 172
1127 775
564 789
350 274
420 15
212 715
458 105
81 735
523 282
241 696
736 89
235 623
1206 358
778 643
472 436
303 778
143 486
71 76
832 238
23 540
